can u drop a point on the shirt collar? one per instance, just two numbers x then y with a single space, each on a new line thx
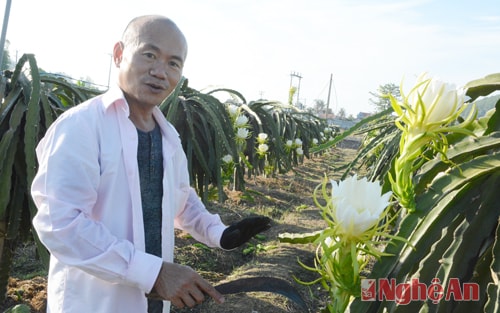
114 95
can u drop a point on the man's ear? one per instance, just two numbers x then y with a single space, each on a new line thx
118 53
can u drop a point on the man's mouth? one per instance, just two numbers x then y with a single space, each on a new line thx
154 86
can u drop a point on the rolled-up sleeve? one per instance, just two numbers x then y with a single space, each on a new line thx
203 225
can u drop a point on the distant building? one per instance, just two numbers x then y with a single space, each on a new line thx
362 115
326 116
343 124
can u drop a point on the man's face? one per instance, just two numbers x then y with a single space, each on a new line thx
151 65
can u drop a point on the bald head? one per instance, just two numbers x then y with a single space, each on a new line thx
141 26
150 59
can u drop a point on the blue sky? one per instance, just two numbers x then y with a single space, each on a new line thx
254 46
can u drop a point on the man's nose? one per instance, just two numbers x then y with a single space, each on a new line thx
159 70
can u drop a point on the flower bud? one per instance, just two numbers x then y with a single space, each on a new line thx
433 103
242 133
262 138
241 121
262 148
227 158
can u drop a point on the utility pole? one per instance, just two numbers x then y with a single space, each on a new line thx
328 100
4 29
299 76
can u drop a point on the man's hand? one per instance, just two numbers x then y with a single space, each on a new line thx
239 233
183 286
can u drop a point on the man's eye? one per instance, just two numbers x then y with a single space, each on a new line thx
175 64
149 55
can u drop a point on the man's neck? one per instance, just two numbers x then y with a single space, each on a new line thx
142 119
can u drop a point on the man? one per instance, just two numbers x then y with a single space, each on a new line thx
112 184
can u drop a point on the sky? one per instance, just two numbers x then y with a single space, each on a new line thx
254 46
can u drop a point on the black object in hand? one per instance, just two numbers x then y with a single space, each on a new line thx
239 233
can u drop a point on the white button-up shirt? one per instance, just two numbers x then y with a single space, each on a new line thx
89 208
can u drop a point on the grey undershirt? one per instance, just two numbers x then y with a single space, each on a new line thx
150 160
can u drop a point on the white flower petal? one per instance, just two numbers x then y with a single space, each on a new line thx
233 109
262 148
433 102
227 158
242 133
262 137
241 121
358 204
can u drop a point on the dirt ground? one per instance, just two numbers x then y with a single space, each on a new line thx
286 198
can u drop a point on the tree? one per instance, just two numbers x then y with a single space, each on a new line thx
381 101
319 106
342 113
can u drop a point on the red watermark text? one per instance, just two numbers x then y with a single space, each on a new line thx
404 293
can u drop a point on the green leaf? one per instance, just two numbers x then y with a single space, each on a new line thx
428 229
462 151
493 304
471 238
494 120
32 124
455 178
230 91
387 138
483 86
18 308
8 147
302 238
171 104
351 131
493 289
63 89
9 102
